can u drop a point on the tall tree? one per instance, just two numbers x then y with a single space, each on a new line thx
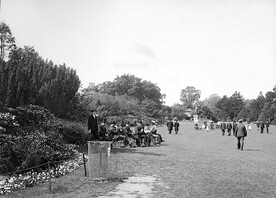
230 107
189 96
7 41
211 102
271 95
131 86
235 104
256 106
269 108
222 106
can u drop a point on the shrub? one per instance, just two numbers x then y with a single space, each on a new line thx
15 155
72 132
119 119
31 115
29 137
7 122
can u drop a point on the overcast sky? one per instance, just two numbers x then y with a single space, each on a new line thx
218 47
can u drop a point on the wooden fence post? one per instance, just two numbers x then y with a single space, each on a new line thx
84 165
49 171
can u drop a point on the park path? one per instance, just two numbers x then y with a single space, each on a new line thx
196 163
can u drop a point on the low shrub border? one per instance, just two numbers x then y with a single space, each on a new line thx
31 178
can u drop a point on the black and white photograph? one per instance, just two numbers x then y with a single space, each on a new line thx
138 98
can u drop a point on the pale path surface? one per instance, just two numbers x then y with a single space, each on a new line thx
133 187
197 163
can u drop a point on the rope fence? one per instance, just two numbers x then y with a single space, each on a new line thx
29 177
34 175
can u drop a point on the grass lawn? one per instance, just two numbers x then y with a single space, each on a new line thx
189 164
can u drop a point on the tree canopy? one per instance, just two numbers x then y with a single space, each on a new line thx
28 79
189 96
7 41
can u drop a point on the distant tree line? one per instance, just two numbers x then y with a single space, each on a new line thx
235 106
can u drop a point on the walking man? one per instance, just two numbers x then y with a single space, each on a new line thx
93 124
240 133
262 126
176 126
229 127
258 125
267 126
170 126
223 127
234 126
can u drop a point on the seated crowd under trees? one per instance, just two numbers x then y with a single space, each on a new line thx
123 134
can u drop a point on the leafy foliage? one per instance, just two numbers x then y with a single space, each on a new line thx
189 96
72 132
230 107
28 79
178 110
7 41
29 138
203 111
131 86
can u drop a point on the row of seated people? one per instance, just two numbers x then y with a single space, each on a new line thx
143 135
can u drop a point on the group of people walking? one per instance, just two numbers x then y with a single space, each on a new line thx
240 129
173 124
263 125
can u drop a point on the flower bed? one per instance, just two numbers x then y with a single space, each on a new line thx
31 178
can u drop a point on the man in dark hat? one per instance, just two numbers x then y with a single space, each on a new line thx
240 133
93 124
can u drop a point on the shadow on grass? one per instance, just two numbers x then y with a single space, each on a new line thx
251 149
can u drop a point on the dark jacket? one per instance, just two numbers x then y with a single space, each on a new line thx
176 126
234 126
223 125
92 124
170 125
229 125
241 130
262 125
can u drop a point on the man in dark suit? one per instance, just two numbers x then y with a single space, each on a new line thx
240 133
234 126
170 125
93 124
267 125
176 126
262 126
223 127
229 127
